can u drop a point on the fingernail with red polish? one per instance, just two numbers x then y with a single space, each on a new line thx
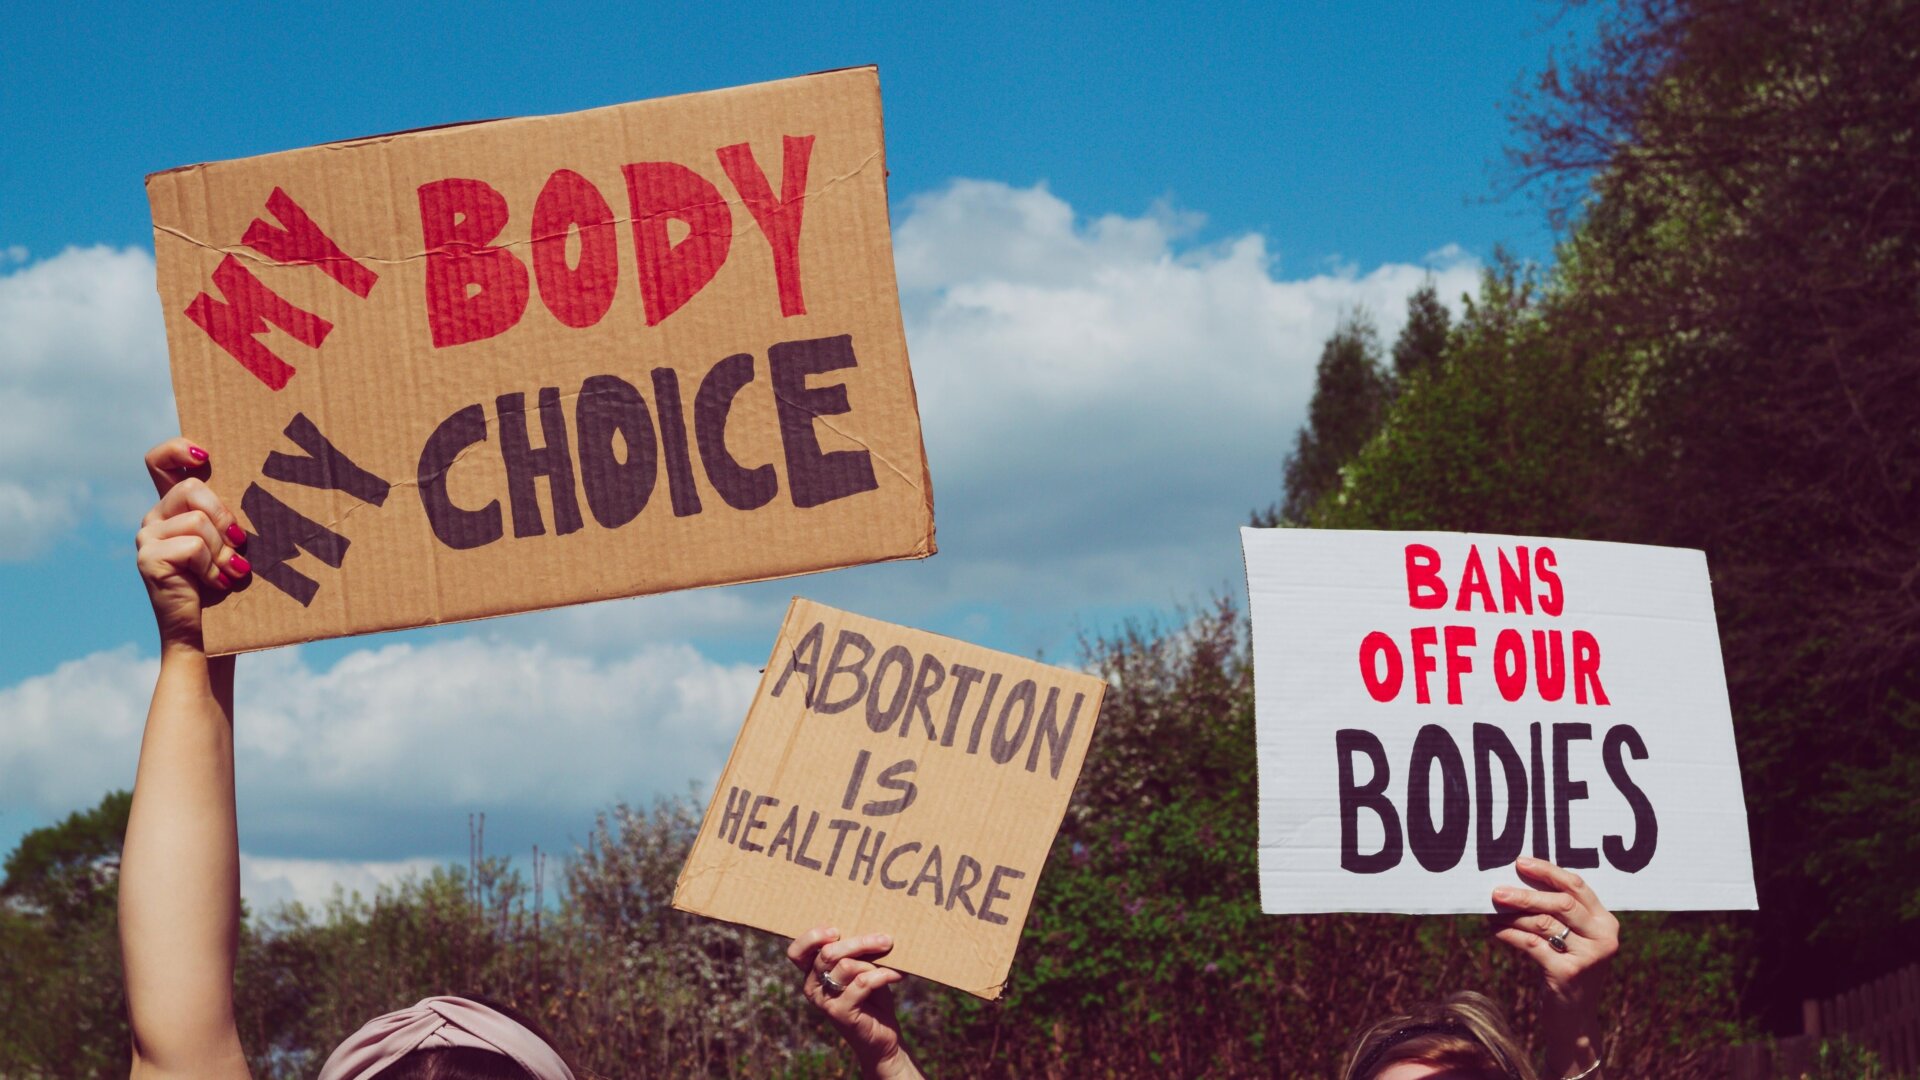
226 582
236 534
196 453
239 566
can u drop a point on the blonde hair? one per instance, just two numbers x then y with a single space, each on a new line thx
1465 1031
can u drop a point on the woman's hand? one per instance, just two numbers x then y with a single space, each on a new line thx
1531 919
180 864
188 544
1561 907
862 1009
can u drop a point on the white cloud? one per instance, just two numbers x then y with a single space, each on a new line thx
384 753
83 368
751 612
73 734
1104 402
266 883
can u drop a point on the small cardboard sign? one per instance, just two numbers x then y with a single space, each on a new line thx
500 366
1431 706
891 780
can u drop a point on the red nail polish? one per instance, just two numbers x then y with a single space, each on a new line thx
236 534
239 566
226 582
196 453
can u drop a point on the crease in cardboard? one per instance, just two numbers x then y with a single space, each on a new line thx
862 443
243 252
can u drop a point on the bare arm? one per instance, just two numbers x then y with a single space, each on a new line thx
862 1009
1562 905
180 867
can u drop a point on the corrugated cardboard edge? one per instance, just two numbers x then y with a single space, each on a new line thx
928 545
1259 774
991 992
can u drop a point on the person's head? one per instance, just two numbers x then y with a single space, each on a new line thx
451 1038
455 1063
1464 1037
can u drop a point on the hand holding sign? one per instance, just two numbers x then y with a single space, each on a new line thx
841 980
1465 1033
1561 925
188 543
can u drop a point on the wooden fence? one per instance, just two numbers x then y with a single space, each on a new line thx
1882 1015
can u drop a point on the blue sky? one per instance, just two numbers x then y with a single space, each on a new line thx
1353 131
1217 183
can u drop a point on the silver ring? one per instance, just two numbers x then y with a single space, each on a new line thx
1559 940
835 986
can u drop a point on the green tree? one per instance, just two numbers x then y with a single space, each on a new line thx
1146 954
60 986
1504 437
1422 344
1745 278
1350 394
68 871
1726 355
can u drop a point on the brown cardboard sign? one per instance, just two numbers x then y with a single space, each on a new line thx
494 367
891 780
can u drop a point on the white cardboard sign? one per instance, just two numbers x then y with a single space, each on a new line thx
1432 705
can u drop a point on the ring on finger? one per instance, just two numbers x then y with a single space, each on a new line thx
834 986
1559 941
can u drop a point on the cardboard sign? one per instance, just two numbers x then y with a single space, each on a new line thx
1431 706
501 366
892 780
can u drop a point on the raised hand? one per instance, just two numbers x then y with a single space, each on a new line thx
842 982
1561 925
1531 920
189 543
180 864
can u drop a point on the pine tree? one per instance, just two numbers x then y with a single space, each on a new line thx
1350 396
1423 341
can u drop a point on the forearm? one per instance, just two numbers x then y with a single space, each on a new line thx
1570 1034
180 873
896 1067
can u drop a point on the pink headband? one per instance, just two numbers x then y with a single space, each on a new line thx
439 1022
